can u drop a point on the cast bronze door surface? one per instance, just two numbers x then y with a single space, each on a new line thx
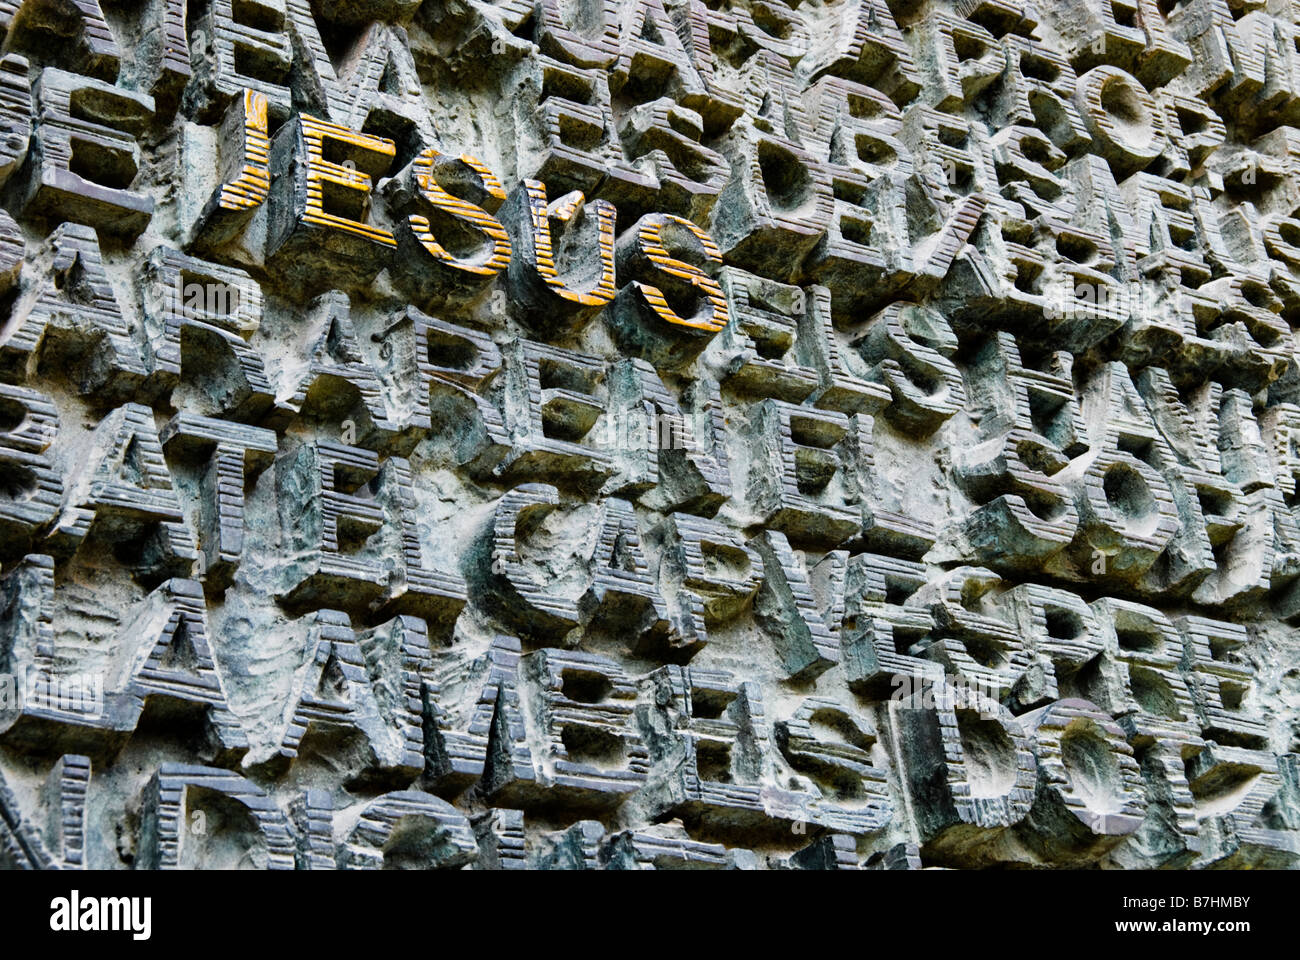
642 434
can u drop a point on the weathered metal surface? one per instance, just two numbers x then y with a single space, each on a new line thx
650 433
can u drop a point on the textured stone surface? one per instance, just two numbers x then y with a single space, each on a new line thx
635 434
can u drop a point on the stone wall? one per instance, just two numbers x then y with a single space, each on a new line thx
649 433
